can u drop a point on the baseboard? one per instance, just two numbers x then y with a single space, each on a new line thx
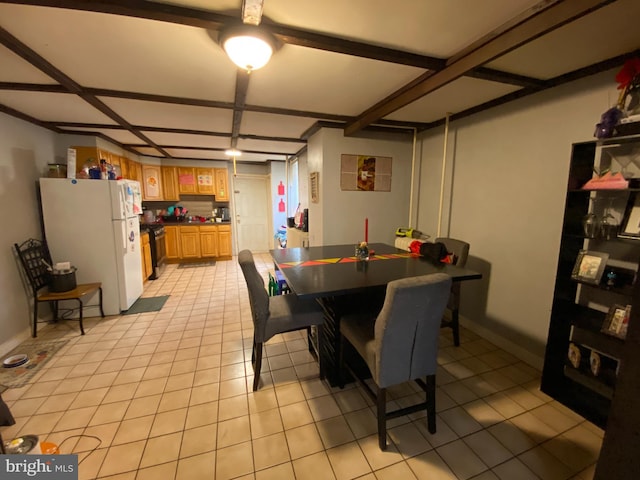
13 342
514 349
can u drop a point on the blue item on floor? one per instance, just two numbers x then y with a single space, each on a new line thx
281 283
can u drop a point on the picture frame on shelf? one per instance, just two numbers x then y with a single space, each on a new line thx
631 220
574 355
617 321
589 267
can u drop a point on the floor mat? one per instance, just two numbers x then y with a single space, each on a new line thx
210 263
147 304
39 354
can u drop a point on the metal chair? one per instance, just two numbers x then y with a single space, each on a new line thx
273 314
33 254
400 344
450 318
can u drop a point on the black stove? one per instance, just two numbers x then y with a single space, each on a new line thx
158 247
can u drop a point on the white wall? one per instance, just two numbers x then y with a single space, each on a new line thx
507 171
339 216
25 151
278 175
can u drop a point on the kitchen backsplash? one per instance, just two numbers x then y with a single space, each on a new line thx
197 208
195 204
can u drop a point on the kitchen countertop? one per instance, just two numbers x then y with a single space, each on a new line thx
177 224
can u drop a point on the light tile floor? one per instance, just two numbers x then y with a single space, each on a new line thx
167 396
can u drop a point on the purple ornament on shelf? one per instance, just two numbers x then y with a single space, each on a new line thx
608 122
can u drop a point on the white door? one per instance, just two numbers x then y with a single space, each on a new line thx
252 209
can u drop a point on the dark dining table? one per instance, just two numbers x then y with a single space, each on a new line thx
342 284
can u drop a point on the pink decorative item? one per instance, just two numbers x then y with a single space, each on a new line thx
607 182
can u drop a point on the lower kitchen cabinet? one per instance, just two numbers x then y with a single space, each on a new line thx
209 241
224 240
190 242
172 242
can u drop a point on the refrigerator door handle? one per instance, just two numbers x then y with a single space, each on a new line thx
124 201
124 236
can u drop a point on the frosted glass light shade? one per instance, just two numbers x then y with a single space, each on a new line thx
247 51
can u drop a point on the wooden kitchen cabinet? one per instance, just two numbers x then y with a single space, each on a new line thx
135 171
172 242
190 242
209 241
222 185
170 183
151 182
224 240
147 266
124 167
206 181
92 155
116 164
187 180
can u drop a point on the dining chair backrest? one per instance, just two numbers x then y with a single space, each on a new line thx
33 254
258 295
407 328
459 248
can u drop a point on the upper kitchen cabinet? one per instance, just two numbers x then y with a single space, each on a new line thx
120 165
203 181
135 171
151 182
206 181
222 185
93 155
124 167
170 183
187 181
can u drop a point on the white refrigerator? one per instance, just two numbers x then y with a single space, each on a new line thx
95 225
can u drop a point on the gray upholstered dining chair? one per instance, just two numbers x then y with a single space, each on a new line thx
450 318
400 344
273 315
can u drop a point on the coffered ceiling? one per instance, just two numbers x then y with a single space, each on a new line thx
151 76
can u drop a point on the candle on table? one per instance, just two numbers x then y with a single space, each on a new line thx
366 230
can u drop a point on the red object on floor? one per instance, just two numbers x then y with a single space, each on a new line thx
281 190
281 206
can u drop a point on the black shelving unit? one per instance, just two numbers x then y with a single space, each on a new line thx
587 382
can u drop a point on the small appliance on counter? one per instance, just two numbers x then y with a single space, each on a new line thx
225 214
149 216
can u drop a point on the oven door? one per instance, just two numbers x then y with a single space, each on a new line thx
158 253
161 249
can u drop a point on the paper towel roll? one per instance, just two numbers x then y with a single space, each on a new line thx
404 242
63 266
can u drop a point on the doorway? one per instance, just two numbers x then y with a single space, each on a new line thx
253 214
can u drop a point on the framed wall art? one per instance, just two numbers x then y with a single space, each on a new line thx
314 183
365 173
589 267
617 321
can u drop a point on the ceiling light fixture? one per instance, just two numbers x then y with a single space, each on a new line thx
248 46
